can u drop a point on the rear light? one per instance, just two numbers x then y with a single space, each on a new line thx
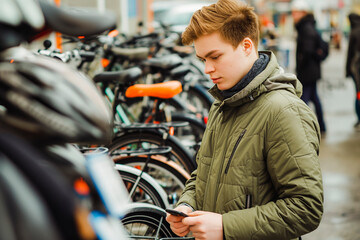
205 120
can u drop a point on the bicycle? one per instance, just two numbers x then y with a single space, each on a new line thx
127 91
172 177
121 53
128 106
135 135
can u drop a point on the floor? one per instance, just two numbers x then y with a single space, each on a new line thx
339 154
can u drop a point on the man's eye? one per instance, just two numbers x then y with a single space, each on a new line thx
216 57
201 60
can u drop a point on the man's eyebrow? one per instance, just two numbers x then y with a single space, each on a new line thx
208 54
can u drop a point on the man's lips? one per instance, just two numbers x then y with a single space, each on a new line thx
215 80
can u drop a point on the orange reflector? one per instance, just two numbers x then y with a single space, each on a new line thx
105 62
12 60
113 33
171 131
358 95
137 167
81 37
58 41
81 187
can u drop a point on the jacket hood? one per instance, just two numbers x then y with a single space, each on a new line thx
354 20
272 78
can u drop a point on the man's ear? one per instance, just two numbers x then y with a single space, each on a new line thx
247 45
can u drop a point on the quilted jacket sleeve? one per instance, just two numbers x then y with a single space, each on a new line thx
188 195
291 148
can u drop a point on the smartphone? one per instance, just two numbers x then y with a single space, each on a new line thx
176 213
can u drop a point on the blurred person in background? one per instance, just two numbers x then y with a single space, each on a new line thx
268 35
308 68
353 60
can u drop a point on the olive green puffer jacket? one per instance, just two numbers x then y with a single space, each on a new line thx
258 162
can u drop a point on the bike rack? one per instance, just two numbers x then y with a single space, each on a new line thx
143 151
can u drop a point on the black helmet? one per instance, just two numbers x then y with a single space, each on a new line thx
45 99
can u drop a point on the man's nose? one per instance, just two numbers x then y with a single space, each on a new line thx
209 68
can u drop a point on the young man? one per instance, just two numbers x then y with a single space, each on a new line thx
258 174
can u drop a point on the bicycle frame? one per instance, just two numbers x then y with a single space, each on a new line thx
119 111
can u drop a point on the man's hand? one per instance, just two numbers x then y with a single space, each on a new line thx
176 223
205 225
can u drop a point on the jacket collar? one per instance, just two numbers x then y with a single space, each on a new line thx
259 66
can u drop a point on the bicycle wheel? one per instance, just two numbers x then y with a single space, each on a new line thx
147 139
147 189
145 221
168 174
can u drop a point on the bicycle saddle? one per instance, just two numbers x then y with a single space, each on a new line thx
164 62
128 76
76 22
179 71
136 54
160 90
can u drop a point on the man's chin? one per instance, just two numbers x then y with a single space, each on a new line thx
222 87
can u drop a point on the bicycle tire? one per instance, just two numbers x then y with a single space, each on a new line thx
168 174
147 190
149 219
179 154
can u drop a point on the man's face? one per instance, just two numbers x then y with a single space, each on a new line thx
225 65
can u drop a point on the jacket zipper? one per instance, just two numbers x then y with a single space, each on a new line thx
234 149
248 201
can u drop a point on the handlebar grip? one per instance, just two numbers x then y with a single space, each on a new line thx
87 56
